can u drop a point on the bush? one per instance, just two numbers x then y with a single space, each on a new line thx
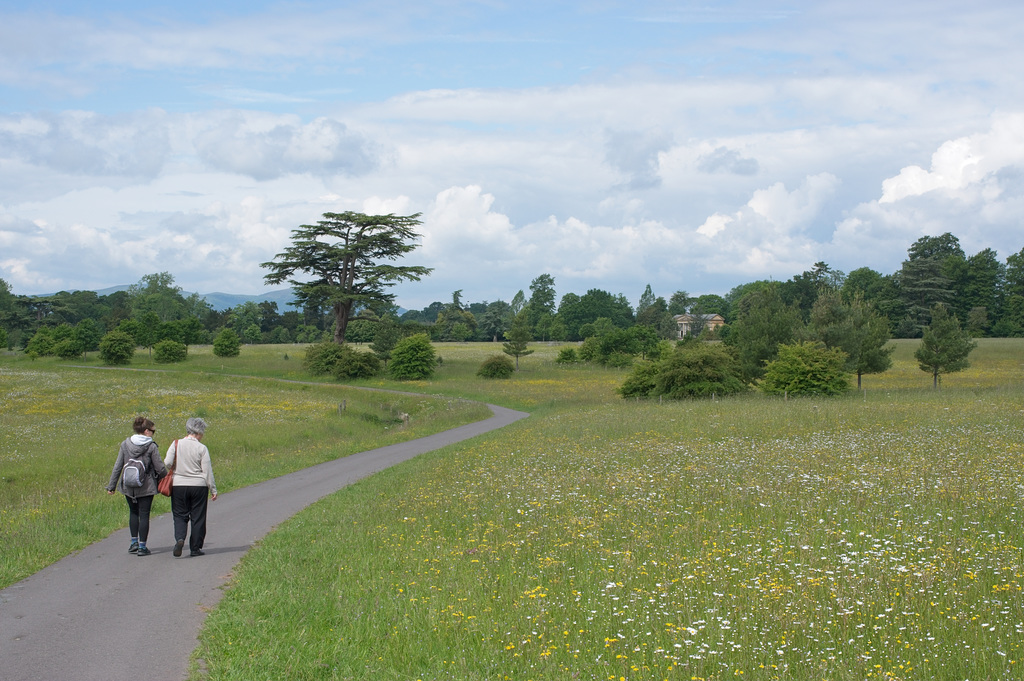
413 358
496 366
590 349
699 370
354 364
41 344
807 368
642 381
618 360
69 348
567 356
227 344
3 339
169 351
321 358
117 347
693 369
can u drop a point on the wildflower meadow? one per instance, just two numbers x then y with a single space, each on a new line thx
875 535
871 536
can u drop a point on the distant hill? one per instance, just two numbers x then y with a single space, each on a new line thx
284 298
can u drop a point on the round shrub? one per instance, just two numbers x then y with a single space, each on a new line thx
117 347
496 366
807 368
69 348
169 351
642 381
41 344
227 344
321 358
567 356
354 364
413 358
699 370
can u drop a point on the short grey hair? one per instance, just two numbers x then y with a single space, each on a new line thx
195 426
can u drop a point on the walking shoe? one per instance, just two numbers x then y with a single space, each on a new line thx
177 547
134 548
198 552
143 551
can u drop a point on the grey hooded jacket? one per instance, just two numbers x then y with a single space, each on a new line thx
139 447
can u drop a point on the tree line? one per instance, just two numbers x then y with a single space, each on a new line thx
985 295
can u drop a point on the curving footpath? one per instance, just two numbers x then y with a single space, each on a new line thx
105 615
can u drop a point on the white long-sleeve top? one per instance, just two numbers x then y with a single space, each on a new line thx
192 467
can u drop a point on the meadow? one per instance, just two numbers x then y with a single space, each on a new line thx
876 535
872 536
61 423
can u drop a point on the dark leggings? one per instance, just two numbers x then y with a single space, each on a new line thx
138 516
189 506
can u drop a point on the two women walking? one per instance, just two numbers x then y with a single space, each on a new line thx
138 468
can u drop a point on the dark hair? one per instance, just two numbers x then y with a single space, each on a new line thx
142 424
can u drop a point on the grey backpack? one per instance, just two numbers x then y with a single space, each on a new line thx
134 473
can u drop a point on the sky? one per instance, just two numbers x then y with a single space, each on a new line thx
691 146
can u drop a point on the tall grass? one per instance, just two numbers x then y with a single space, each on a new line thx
871 536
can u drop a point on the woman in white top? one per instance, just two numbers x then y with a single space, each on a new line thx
193 484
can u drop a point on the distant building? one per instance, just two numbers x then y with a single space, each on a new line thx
695 324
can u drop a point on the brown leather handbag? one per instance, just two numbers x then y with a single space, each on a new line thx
166 483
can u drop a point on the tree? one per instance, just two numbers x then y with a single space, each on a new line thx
42 343
945 347
117 347
349 256
454 323
803 290
924 278
542 299
679 303
656 316
977 284
764 323
854 328
807 368
413 358
157 293
227 343
1014 274
576 311
89 333
518 338
495 319
385 339
646 300
149 328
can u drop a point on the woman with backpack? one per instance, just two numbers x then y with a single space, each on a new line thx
136 470
193 487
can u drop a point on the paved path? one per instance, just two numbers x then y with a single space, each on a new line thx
105 615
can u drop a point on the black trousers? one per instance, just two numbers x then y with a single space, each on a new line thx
138 516
188 505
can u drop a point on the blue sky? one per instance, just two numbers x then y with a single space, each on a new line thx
688 145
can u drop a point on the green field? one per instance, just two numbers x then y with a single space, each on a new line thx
877 535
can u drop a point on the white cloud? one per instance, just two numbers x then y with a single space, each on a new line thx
973 189
266 147
769 234
962 163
